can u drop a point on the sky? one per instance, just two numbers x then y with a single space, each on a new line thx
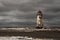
26 10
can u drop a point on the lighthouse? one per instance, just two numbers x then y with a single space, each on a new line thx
39 19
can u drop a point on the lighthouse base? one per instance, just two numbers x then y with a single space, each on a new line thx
39 27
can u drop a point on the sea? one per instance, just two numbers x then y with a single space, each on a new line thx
23 38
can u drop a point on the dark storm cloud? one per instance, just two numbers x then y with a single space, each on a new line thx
52 15
5 9
16 11
54 9
26 10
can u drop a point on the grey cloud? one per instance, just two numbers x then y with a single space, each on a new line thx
15 1
16 16
9 5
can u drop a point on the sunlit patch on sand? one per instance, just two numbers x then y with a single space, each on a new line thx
21 38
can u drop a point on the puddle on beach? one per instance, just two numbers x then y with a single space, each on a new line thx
22 38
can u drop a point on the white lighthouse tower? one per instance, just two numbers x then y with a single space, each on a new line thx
39 19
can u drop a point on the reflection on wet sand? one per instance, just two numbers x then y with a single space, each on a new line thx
23 38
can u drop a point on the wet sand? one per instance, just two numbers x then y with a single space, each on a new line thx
34 33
